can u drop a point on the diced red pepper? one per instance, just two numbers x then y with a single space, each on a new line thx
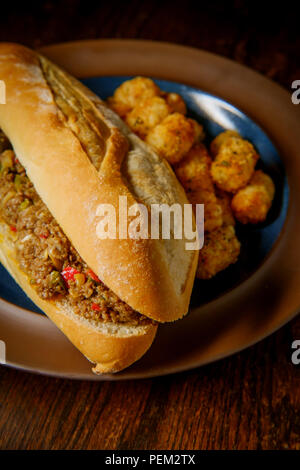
44 235
13 228
93 275
16 160
68 274
96 307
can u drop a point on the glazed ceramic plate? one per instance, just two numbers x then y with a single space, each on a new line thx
241 305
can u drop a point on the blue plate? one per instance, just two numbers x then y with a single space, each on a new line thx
215 115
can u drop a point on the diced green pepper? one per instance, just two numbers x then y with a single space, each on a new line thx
18 182
56 280
26 203
79 279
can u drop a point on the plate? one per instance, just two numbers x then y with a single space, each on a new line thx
239 306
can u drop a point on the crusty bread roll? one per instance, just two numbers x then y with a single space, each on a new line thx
79 154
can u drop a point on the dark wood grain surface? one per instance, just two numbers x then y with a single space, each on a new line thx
248 401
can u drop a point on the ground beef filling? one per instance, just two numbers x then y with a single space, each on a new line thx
45 254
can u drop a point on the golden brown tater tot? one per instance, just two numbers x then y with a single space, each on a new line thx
220 139
175 102
133 91
118 107
224 200
234 164
251 204
213 217
174 137
221 248
193 171
146 115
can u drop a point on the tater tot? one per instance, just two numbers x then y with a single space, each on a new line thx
175 102
199 131
133 91
221 248
174 137
213 217
118 107
234 164
147 114
224 200
251 204
193 171
220 139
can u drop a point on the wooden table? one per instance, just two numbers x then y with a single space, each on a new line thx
248 401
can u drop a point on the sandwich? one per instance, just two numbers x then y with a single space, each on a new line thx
64 153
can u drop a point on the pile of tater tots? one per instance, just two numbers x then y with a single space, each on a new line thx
223 177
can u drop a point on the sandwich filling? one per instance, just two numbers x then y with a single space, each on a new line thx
45 254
